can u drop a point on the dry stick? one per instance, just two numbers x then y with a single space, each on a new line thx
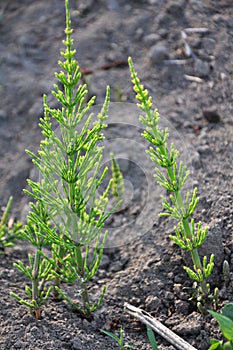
158 327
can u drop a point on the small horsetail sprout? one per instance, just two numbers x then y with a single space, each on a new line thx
8 233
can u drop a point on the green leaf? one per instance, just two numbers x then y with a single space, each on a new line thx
225 323
151 337
228 345
227 310
215 345
112 335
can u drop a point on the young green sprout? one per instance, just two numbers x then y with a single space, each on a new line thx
151 337
172 175
119 340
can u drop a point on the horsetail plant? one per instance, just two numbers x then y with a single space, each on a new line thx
117 180
36 231
8 233
74 208
172 175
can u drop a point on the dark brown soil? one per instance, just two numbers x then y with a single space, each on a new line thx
194 96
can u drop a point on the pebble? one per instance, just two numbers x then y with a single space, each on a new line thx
168 295
21 345
195 159
153 2
213 245
203 149
230 23
112 5
12 59
104 262
116 266
86 6
158 53
191 325
28 40
208 44
152 302
182 307
201 68
139 33
223 76
77 343
3 115
151 39
176 9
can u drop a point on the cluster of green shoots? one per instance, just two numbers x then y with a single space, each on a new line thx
69 210
172 176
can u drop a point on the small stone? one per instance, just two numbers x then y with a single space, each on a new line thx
21 345
153 2
195 159
168 295
85 6
208 44
12 59
158 53
223 76
28 40
152 302
211 115
27 319
213 243
116 266
179 101
77 343
203 149
201 68
139 33
230 23
191 325
182 307
176 9
151 39
3 115
112 5
104 262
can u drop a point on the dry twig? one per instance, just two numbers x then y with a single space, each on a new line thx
158 327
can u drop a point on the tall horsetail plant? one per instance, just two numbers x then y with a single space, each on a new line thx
172 175
75 209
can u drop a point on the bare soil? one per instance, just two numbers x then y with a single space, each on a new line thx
193 92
